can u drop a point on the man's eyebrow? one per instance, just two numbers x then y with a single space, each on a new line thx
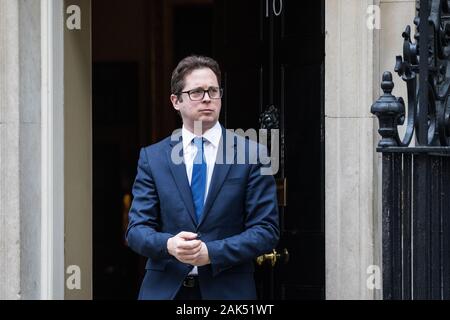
196 88
201 88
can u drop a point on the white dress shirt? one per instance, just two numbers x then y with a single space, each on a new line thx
211 145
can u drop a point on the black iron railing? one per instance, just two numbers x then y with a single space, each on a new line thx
416 178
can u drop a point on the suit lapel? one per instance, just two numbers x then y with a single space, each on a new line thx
219 174
181 180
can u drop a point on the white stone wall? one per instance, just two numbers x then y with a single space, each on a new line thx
355 59
20 149
9 151
30 146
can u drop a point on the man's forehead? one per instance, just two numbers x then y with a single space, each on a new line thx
201 77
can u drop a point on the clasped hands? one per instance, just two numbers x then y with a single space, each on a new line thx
186 248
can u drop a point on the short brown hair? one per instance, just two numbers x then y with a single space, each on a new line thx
189 64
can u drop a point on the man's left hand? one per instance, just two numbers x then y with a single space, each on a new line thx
202 258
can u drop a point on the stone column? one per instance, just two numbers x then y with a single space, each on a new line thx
9 151
20 158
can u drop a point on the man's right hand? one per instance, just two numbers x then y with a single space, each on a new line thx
184 247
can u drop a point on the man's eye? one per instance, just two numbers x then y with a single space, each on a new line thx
198 91
213 90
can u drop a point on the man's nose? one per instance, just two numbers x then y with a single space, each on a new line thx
206 96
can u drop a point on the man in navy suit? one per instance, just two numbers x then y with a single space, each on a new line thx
201 222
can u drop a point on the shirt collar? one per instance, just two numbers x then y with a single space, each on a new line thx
212 135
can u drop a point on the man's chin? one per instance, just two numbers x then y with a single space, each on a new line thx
207 121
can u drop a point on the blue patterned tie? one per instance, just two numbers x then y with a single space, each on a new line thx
198 181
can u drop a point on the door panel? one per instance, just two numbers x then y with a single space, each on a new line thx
242 51
269 59
299 66
250 12
301 111
243 93
300 19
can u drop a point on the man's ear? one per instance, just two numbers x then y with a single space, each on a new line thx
175 101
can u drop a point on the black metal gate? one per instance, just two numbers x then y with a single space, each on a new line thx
416 177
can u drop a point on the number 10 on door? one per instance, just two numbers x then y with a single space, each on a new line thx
277 7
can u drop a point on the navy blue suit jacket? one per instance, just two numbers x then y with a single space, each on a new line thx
239 222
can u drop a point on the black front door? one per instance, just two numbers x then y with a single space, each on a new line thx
272 57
